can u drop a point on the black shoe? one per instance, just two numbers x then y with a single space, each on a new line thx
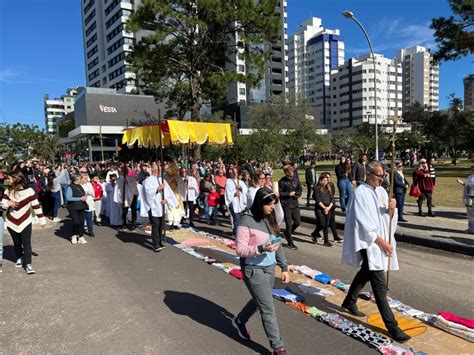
328 244
157 249
431 214
353 310
191 224
421 214
398 335
241 329
338 240
402 220
92 235
292 246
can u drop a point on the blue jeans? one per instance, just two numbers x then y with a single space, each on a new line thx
1 240
90 221
345 192
400 198
235 219
56 203
63 190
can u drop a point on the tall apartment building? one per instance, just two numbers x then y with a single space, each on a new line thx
469 92
352 91
313 52
275 79
420 78
56 109
106 43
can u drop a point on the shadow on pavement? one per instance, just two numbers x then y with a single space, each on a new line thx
207 313
466 241
144 240
429 228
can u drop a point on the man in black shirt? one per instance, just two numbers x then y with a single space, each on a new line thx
290 191
311 177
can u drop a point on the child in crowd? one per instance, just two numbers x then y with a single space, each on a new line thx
212 201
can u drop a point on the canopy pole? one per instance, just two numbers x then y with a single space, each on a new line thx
162 164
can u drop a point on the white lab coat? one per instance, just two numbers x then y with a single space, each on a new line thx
151 200
366 217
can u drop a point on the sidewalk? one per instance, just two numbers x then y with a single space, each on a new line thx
446 231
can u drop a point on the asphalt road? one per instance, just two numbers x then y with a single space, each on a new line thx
115 296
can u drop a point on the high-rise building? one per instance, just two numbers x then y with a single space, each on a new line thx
106 43
469 92
420 78
56 109
275 79
352 91
313 52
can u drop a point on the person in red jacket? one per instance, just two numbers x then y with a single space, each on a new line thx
213 201
99 192
426 185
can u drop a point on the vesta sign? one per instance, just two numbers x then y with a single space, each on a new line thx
107 109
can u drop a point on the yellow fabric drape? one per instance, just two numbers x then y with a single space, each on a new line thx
180 132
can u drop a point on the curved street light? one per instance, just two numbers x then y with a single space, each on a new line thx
350 15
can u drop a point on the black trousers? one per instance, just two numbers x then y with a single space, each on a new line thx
22 243
428 196
222 207
324 221
156 230
379 287
292 221
78 218
189 207
308 193
133 207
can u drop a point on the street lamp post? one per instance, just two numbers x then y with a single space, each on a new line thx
350 15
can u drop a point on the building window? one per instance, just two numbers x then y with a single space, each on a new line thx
111 7
241 68
116 59
242 91
115 32
88 6
119 43
92 51
117 72
89 18
114 18
94 75
91 28
91 40
93 63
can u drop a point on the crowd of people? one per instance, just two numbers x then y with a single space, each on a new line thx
105 193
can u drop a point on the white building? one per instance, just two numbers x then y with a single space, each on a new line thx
56 109
420 78
106 43
275 79
313 52
352 91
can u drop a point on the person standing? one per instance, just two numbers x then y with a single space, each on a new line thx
98 195
1 228
126 194
77 205
290 191
64 181
112 209
190 193
400 186
235 198
54 186
344 181
422 178
221 181
358 170
89 190
19 199
311 178
366 245
153 190
212 201
469 199
260 250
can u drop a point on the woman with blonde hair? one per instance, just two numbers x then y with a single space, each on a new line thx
20 199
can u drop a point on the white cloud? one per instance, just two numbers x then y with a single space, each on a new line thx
8 75
390 35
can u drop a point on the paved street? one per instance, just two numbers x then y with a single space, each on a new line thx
114 295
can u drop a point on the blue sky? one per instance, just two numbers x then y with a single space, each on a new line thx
41 44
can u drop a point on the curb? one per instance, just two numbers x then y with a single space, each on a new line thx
445 244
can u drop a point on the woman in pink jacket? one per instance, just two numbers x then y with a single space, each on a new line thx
260 250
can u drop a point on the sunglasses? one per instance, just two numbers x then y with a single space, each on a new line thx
381 177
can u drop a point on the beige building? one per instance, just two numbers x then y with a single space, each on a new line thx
469 92
56 109
420 78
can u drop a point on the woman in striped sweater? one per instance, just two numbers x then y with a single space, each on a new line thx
19 199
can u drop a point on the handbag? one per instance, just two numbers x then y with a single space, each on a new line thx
415 191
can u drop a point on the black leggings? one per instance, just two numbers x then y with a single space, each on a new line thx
133 207
22 243
78 218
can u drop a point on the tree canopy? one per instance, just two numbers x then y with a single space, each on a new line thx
186 44
454 35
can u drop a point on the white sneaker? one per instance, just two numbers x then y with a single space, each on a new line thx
29 269
82 240
74 239
19 262
56 220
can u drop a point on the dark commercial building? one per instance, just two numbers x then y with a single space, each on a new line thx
101 115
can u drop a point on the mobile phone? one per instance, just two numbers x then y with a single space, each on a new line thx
276 240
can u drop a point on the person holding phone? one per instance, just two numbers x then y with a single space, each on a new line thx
259 249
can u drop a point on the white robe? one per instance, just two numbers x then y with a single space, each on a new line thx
189 189
366 217
113 210
238 203
151 200
130 190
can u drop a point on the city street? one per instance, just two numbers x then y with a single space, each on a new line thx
114 295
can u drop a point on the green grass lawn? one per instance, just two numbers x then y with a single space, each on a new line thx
447 193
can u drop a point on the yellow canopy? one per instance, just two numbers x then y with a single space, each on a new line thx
179 132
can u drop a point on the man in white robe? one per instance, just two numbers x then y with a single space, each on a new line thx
235 198
126 194
189 192
112 210
152 204
366 245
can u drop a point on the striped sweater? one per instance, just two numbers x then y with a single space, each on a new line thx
20 216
